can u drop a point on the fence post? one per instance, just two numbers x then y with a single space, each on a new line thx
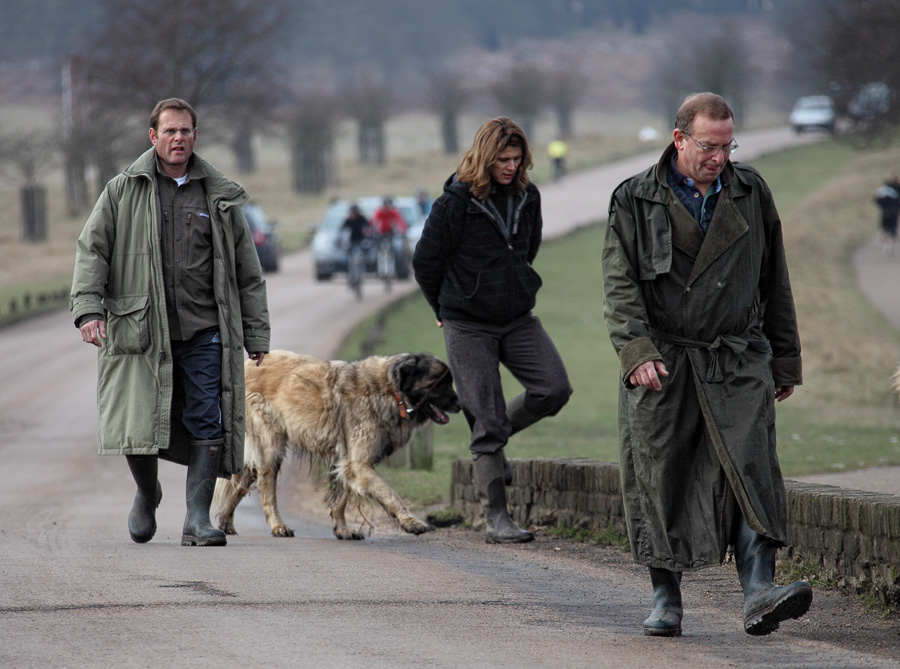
419 454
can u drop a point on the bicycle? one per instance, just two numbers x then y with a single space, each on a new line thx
356 269
386 261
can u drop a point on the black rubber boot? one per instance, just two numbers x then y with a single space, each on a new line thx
201 484
665 619
142 519
519 417
766 605
499 525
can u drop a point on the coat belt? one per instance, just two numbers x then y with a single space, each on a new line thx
729 344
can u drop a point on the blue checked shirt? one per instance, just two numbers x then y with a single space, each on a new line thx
700 207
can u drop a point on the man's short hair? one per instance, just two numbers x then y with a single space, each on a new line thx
702 104
171 103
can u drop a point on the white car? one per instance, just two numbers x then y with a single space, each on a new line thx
813 112
329 246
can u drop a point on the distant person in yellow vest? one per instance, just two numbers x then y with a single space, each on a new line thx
557 150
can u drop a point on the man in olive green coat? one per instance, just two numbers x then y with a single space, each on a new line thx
168 286
699 308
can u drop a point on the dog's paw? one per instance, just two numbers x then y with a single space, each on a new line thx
349 535
415 526
228 528
282 531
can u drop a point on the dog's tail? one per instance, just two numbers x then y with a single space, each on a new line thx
225 488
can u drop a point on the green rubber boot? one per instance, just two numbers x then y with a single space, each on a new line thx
766 605
665 619
201 484
142 519
489 479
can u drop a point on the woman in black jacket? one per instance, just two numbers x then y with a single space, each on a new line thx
473 264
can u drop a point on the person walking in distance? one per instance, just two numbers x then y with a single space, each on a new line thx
167 285
699 308
474 266
887 197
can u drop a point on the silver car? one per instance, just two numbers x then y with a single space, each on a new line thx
813 112
330 245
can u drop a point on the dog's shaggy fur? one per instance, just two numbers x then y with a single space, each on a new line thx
349 414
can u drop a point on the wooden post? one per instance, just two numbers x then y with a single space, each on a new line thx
419 454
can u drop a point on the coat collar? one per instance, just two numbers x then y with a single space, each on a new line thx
221 190
727 225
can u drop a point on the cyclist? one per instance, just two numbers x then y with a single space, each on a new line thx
359 231
358 226
388 222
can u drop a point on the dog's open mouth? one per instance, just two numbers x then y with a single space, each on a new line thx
437 415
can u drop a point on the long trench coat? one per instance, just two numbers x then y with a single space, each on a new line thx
717 309
118 273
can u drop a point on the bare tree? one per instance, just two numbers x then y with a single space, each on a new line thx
217 54
858 46
565 85
448 96
370 105
25 159
719 63
311 124
520 92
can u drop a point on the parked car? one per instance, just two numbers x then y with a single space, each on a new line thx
329 244
871 102
815 112
264 238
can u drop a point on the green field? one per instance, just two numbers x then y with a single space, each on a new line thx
845 416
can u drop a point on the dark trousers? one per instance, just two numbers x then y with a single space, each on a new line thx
475 352
198 369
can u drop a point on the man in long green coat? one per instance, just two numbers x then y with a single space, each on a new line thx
699 309
168 286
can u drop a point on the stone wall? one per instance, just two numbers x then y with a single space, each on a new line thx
850 536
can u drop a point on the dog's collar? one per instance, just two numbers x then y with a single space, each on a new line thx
403 412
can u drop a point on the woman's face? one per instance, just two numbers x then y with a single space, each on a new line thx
506 166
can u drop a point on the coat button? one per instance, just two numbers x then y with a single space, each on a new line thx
688 289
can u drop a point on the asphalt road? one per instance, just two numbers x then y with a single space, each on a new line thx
76 592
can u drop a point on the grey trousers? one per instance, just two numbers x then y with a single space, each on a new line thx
475 352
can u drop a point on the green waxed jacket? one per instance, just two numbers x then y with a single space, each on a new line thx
717 309
118 273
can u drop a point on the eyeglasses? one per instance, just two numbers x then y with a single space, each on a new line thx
173 132
727 149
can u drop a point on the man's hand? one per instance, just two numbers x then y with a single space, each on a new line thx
258 356
93 332
440 324
647 375
783 392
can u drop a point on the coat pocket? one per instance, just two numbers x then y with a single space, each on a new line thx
128 324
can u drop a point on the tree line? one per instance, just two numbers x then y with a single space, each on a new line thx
251 67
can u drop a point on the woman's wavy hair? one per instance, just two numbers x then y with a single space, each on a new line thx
490 141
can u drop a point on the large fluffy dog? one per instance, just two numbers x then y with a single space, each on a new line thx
349 414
